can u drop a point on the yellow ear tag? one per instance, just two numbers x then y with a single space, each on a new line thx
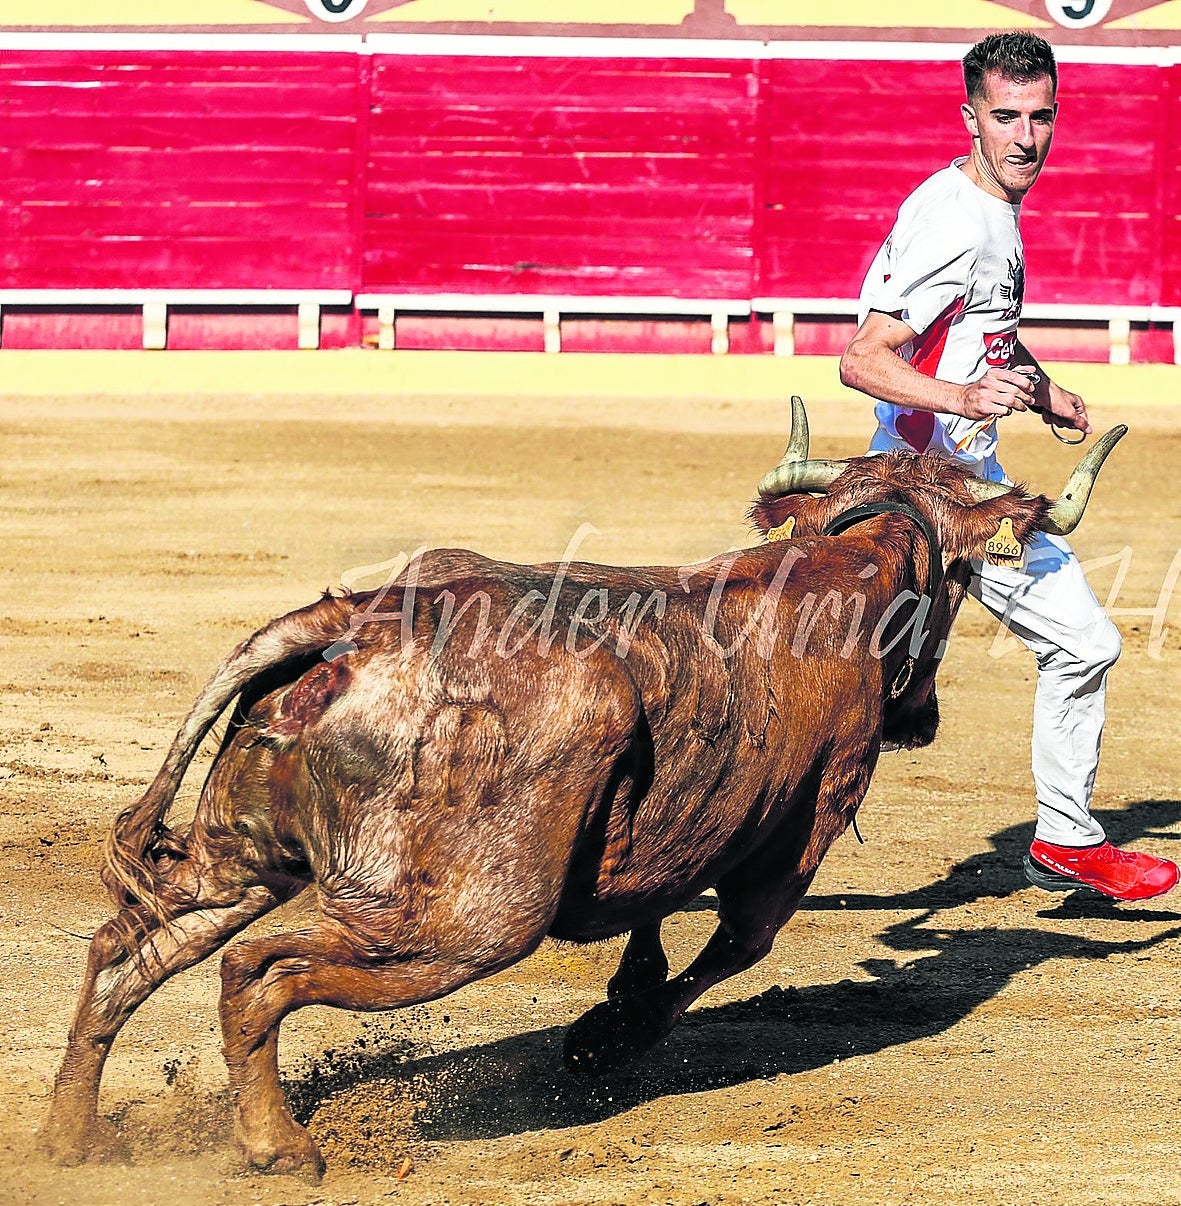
1003 545
784 531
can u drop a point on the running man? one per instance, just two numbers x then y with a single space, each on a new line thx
938 348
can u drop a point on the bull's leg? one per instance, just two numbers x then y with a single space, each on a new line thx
643 965
615 1032
755 899
265 979
117 981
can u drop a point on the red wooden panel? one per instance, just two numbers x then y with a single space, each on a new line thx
229 221
471 129
584 176
1169 179
647 258
1090 223
200 188
125 128
105 327
642 173
148 81
98 263
669 336
846 142
178 170
849 140
469 333
575 205
1152 343
536 85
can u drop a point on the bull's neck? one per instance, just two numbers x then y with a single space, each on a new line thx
899 678
855 515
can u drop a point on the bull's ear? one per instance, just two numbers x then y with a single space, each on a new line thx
767 514
791 514
990 528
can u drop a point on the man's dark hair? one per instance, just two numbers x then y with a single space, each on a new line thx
1020 57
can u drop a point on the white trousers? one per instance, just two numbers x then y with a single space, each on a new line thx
1050 607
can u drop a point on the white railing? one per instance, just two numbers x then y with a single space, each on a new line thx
784 311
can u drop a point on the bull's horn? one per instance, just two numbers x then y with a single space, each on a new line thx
801 438
795 474
801 477
982 490
1064 515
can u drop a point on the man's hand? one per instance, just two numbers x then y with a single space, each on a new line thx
1057 406
1060 408
999 392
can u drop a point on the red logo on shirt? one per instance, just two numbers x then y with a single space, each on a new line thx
999 348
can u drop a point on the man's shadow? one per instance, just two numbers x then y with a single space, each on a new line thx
518 1084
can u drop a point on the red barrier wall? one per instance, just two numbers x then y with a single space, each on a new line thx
567 176
1169 197
141 170
616 177
846 142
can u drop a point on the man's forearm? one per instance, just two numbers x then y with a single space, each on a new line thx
1024 358
875 370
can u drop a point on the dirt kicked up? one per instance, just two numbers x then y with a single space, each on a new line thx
927 1028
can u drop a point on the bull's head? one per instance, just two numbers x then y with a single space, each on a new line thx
962 518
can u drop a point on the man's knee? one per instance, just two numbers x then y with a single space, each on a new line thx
1083 653
1105 644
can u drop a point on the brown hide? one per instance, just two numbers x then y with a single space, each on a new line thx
738 689
481 754
935 488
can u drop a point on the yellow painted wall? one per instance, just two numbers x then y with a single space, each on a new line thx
921 14
938 15
15 14
589 12
1164 16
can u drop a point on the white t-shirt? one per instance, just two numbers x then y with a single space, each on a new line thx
953 268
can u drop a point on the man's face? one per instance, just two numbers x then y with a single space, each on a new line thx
1012 125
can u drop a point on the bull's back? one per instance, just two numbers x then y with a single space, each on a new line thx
647 757
431 774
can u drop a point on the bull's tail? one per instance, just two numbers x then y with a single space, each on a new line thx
130 873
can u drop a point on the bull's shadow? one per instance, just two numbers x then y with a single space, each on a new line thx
518 1084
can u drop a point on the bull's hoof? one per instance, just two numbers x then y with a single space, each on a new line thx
295 1154
613 1034
95 1141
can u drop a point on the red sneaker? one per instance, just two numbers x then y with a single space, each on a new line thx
1122 874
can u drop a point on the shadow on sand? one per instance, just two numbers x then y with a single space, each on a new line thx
518 1084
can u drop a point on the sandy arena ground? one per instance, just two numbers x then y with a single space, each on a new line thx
927 1029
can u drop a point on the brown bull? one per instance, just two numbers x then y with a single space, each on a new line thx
484 754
